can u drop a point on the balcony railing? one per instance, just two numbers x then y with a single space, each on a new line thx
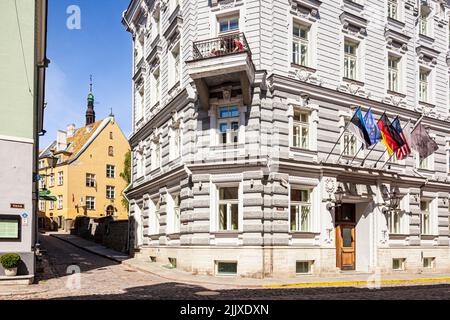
221 46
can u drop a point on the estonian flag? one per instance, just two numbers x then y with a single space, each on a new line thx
357 126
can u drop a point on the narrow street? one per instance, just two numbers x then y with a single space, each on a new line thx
102 278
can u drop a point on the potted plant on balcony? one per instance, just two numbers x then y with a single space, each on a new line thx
10 262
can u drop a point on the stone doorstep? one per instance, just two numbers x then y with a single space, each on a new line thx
17 280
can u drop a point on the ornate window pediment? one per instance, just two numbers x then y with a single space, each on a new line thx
427 55
306 8
353 23
396 40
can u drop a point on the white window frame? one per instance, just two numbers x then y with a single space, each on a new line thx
91 201
429 161
155 208
90 180
110 171
300 125
425 25
299 205
426 86
426 213
348 57
393 7
229 203
156 153
60 202
156 87
228 17
110 192
214 204
395 74
140 103
175 142
42 205
52 205
301 43
229 122
52 180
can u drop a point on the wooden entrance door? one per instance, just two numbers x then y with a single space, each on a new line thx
345 246
346 237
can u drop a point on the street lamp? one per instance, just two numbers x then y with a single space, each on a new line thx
394 201
338 195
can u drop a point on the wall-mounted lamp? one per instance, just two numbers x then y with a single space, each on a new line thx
338 195
200 185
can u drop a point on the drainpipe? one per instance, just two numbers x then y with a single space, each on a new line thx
125 196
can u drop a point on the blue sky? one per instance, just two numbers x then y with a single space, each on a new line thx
102 48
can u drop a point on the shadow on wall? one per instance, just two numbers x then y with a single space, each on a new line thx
106 231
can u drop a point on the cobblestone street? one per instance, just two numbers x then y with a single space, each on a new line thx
102 278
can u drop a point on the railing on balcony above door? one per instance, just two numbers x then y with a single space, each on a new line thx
221 46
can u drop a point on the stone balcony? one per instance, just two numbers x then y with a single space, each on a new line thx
221 61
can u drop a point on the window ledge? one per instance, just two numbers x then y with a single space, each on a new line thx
357 82
303 235
426 38
174 236
396 93
155 236
309 151
427 104
298 66
398 236
428 237
226 234
228 147
396 22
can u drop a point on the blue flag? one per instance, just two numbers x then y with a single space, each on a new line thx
372 128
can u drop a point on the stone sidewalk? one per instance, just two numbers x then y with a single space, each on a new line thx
328 280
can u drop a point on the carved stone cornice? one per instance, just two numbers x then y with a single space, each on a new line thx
306 8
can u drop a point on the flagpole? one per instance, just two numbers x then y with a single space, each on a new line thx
354 157
364 160
337 141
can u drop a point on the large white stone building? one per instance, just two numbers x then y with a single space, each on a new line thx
237 105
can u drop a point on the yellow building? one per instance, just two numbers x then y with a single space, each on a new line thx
81 168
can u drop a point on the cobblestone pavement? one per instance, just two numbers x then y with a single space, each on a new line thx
104 279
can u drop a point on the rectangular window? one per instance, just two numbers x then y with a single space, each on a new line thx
226 268
60 202
156 87
51 205
350 59
228 219
228 124
301 130
425 163
424 90
300 210
176 213
428 263
176 65
110 192
10 228
156 155
350 144
424 21
300 44
393 73
394 222
155 220
52 180
425 222
303 267
90 203
90 180
110 171
398 264
229 24
60 178
393 9
42 205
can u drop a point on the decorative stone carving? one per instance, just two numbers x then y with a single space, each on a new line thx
307 75
353 88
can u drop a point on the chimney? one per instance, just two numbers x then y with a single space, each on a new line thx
61 140
70 130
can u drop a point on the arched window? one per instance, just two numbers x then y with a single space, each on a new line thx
110 211
111 151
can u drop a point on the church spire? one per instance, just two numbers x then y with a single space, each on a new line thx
90 113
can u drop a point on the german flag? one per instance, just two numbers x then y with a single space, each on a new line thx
390 138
